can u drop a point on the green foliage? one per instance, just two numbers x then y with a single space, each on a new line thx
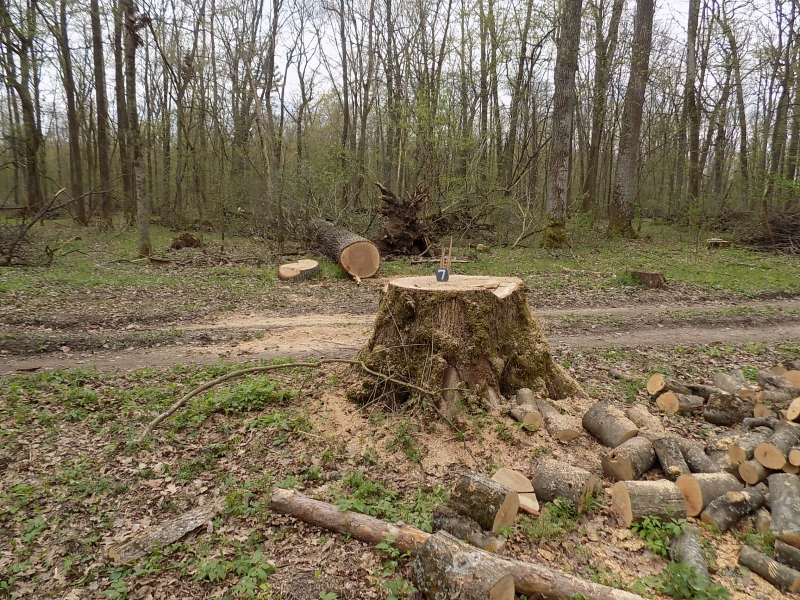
283 422
657 533
556 519
681 581
253 571
750 373
404 440
397 587
763 541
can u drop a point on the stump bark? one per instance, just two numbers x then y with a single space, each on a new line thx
482 327
356 255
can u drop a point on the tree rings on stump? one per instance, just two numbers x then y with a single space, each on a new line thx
635 500
701 488
482 327
299 271
555 479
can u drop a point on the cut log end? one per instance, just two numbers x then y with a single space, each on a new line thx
299 271
635 500
609 424
360 259
701 488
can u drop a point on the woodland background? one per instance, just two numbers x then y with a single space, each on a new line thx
247 115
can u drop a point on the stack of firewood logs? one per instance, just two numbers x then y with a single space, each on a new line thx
749 470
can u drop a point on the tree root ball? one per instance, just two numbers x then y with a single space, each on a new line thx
482 327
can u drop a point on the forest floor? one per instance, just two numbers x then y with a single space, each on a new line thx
96 345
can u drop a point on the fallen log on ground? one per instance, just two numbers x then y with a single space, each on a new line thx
529 579
773 453
784 495
700 489
659 383
560 427
686 548
767 378
609 424
492 505
514 480
673 402
742 450
729 509
556 479
752 471
782 577
356 255
786 554
159 536
635 500
697 459
630 460
528 414
650 425
751 423
727 409
446 519
670 457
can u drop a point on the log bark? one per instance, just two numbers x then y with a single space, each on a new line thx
762 520
356 255
786 554
528 415
702 390
754 422
673 402
698 460
773 453
513 480
727 510
701 488
446 519
671 458
686 548
743 449
659 383
481 327
635 500
793 411
492 505
445 568
555 479
767 378
784 493
630 460
723 441
299 271
560 427
647 422
162 535
752 471
777 399
730 384
727 409
609 424
782 577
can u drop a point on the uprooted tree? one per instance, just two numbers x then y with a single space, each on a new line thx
404 232
476 330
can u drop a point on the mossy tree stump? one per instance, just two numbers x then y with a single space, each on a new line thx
480 327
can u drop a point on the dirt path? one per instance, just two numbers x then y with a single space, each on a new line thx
254 336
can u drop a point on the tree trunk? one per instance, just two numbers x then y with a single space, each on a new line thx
635 500
624 193
563 108
356 255
609 424
123 128
700 489
555 479
103 146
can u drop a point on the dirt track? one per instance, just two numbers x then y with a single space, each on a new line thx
238 336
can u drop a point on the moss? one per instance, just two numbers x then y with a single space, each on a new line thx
492 341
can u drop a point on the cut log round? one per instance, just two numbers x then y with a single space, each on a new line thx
779 369
701 488
784 493
529 503
686 548
793 376
356 255
660 383
645 420
482 327
782 577
793 412
717 243
492 505
753 471
635 500
727 409
768 378
745 446
786 554
790 468
513 480
773 453
446 519
630 460
672 402
699 461
670 457
609 424
555 479
445 568
299 271
528 415
753 422
560 427
729 509
794 456
763 410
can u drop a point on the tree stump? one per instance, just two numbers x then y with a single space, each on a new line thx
299 271
482 327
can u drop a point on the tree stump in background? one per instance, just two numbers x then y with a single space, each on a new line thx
479 330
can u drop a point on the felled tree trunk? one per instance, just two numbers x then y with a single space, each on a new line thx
630 460
490 504
786 554
356 255
701 488
697 459
650 425
727 409
744 448
635 500
727 510
480 326
752 471
686 548
773 453
660 383
673 402
403 231
446 519
555 479
669 454
609 424
782 577
527 410
560 427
